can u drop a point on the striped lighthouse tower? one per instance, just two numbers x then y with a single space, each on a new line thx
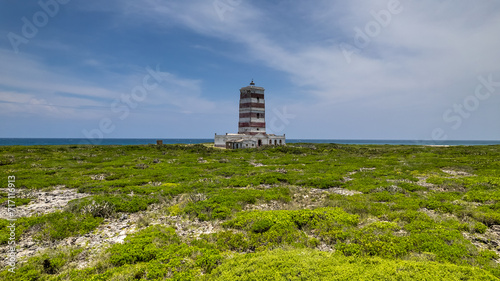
252 110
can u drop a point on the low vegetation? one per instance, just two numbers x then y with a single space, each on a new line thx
300 212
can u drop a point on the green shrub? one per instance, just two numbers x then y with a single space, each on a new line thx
17 201
305 264
59 225
143 246
442 202
44 265
53 226
222 202
359 204
486 215
376 239
411 186
229 240
321 181
272 228
480 228
408 216
482 196
208 260
261 226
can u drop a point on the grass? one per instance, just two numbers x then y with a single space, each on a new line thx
392 228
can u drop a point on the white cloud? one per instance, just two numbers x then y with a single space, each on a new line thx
426 59
425 39
44 90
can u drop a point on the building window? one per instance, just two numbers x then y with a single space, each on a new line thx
280 142
270 142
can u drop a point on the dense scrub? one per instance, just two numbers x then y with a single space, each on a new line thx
411 212
157 253
295 264
51 227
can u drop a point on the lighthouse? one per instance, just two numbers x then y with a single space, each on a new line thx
252 110
251 122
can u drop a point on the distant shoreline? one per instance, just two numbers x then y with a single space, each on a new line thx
145 141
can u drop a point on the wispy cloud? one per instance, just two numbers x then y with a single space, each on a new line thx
30 86
424 59
405 58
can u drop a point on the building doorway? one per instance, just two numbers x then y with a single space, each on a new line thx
259 142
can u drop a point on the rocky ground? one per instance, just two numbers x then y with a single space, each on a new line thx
115 230
42 202
111 231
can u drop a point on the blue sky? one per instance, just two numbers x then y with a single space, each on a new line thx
357 69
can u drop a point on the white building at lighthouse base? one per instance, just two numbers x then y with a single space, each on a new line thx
234 141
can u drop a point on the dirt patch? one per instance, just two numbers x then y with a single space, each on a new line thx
422 181
44 202
303 198
341 191
490 240
457 173
348 178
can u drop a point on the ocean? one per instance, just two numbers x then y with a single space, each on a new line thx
78 141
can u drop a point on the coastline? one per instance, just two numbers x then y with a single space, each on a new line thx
146 141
